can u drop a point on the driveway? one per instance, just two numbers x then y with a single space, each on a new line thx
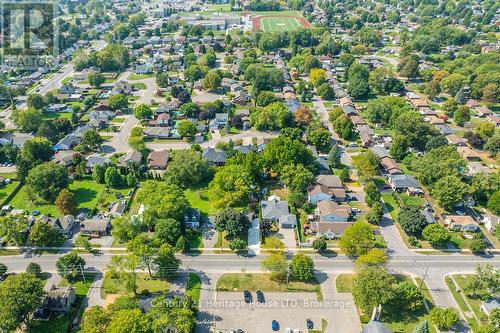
344 315
287 236
254 237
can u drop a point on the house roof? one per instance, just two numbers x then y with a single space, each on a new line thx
327 207
158 158
318 188
131 156
389 163
58 297
288 219
215 156
403 181
330 181
274 208
335 227
92 225
467 153
379 151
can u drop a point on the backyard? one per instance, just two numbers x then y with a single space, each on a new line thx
88 194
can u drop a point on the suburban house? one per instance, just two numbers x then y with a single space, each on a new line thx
118 208
56 108
390 166
330 211
95 227
335 186
276 210
67 143
162 120
468 154
192 218
122 87
59 299
158 159
318 193
63 224
213 156
96 159
330 230
401 183
130 157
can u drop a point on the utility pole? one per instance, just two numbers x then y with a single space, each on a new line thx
83 274
423 279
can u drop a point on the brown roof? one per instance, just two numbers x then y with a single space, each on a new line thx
318 189
158 159
338 193
467 153
419 103
388 163
331 207
330 181
336 227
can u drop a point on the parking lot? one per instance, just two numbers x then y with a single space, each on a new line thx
290 309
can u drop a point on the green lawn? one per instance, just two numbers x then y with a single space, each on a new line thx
275 24
262 281
460 298
200 199
411 200
119 120
391 205
344 283
56 115
475 303
86 191
194 239
135 77
139 85
7 189
193 288
145 285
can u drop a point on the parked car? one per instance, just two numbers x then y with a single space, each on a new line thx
275 325
260 297
309 324
288 330
248 296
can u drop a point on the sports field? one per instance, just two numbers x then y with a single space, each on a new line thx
273 24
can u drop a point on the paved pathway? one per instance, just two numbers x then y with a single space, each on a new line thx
254 238
343 316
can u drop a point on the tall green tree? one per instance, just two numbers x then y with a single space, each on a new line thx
20 295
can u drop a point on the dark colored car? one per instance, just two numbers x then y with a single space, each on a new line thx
309 324
275 325
260 296
239 330
248 296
